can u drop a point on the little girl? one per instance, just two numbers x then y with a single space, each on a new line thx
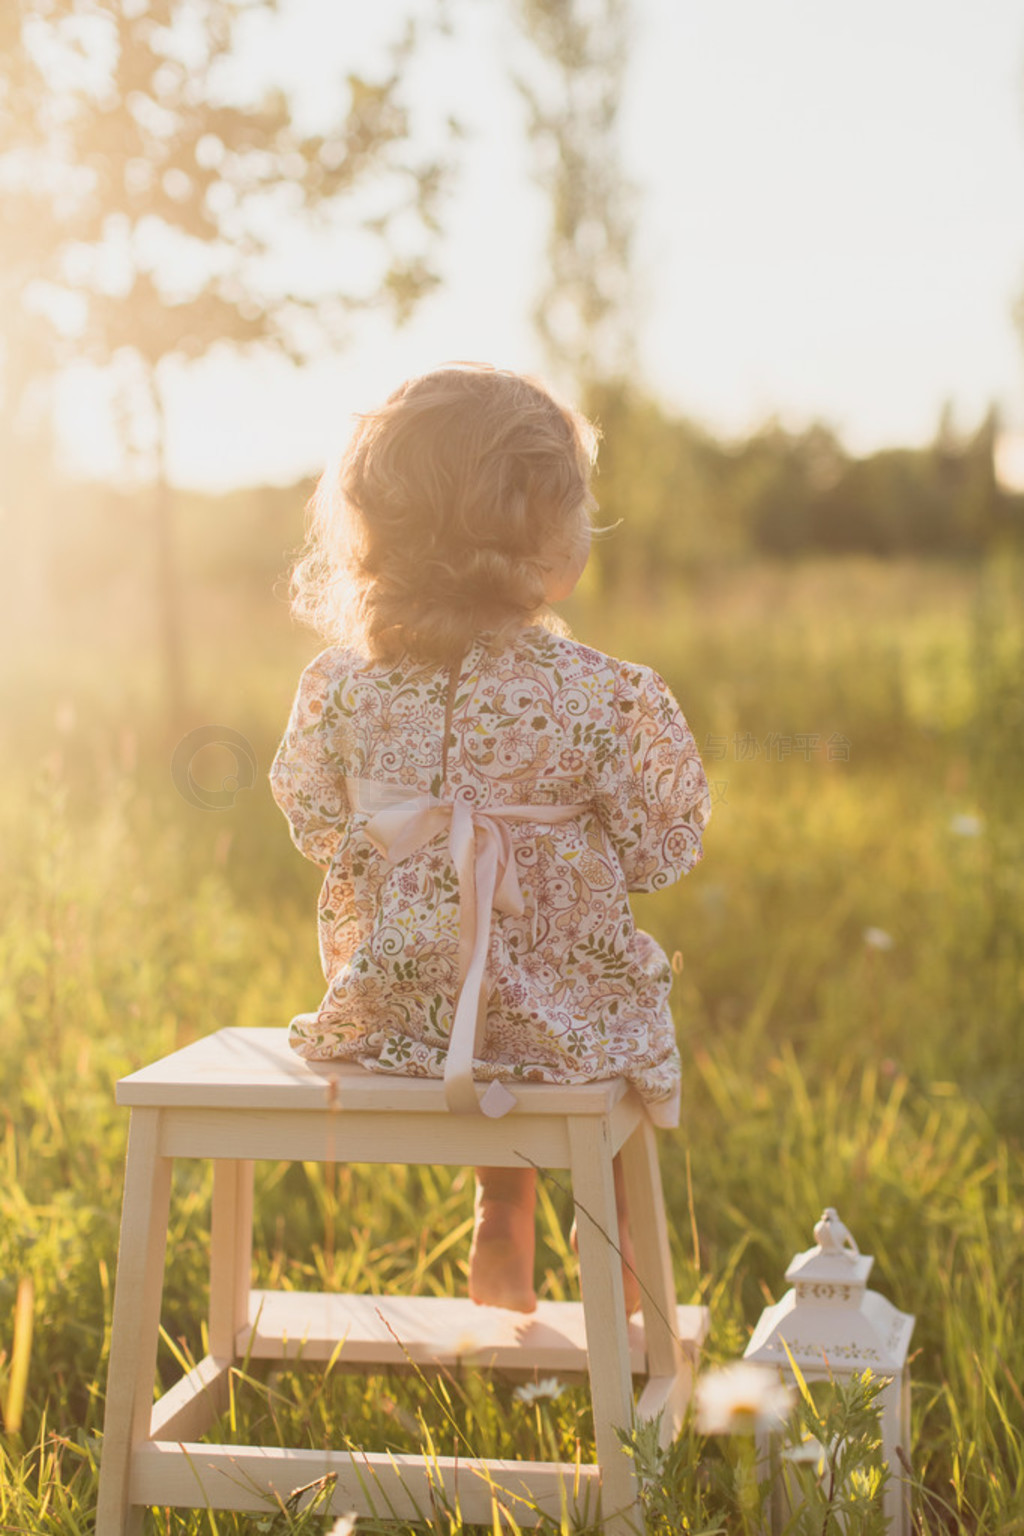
481 791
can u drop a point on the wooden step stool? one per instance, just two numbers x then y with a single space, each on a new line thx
243 1094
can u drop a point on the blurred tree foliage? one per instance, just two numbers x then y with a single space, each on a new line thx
686 500
573 88
147 201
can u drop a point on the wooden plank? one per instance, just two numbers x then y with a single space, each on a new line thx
192 1404
597 1233
624 1117
693 1324
230 1252
362 1137
256 1480
136 1321
257 1069
440 1331
429 1331
653 1256
667 1396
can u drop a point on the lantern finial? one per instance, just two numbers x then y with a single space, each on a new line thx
832 1236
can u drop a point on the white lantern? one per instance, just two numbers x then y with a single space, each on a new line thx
834 1327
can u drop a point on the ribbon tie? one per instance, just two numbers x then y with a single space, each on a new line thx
403 821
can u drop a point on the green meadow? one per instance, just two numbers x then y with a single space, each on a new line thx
849 998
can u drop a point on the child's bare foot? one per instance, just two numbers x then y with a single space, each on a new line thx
630 1283
501 1257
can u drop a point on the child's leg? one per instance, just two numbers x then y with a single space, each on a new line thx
501 1258
630 1283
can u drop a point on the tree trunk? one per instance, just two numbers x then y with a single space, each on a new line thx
170 627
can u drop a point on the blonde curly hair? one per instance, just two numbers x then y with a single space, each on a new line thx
451 506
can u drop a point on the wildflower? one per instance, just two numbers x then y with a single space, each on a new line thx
741 1399
343 1526
534 1391
966 826
877 938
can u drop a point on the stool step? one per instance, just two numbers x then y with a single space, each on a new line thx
435 1331
383 1485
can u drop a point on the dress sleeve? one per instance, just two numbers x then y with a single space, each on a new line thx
307 777
652 794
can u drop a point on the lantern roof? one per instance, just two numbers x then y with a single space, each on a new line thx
829 1322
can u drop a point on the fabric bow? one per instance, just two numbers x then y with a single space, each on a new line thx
480 844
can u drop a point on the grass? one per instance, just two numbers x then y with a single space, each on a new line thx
820 1068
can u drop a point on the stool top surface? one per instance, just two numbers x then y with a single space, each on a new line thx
257 1069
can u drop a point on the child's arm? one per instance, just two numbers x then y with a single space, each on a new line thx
307 779
652 793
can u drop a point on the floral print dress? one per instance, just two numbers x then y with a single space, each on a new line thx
573 991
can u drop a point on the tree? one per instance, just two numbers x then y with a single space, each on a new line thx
146 200
573 96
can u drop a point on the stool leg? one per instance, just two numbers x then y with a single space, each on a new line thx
604 1311
644 1194
230 1253
136 1325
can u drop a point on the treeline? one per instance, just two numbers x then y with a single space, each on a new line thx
679 500
686 499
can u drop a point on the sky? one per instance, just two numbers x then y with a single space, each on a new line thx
830 226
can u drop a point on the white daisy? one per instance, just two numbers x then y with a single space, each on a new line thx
535 1391
741 1399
